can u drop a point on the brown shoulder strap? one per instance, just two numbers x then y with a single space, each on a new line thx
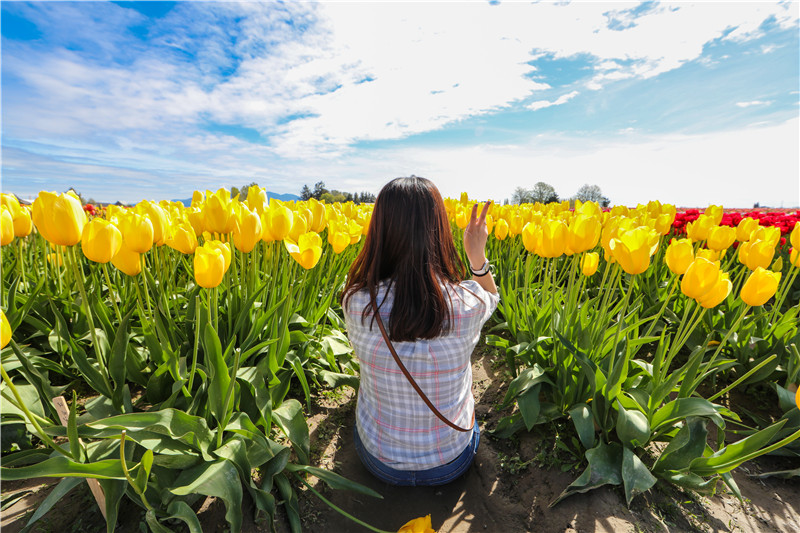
407 374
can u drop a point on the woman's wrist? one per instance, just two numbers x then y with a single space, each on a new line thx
476 263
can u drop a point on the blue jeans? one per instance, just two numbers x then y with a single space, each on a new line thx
438 475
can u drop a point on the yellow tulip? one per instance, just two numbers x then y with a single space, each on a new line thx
462 218
418 525
317 220
55 258
5 330
338 237
711 255
209 265
700 228
218 212
299 226
584 233
59 218
515 223
158 218
633 248
714 212
760 287
532 237
797 396
183 238
307 250
198 198
355 230
746 228
794 257
490 223
679 255
701 276
281 220
195 217
137 232
256 198
759 254
246 230
721 238
6 225
127 260
101 240
794 238
718 292
224 248
589 263
663 223
501 229
554 238
770 234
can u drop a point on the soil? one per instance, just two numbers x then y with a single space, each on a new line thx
509 488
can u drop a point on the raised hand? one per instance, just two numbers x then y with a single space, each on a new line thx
475 235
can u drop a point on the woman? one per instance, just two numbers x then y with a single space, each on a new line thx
431 317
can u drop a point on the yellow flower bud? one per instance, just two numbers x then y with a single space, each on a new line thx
746 228
224 248
532 237
554 238
501 229
794 257
589 263
158 218
127 260
718 292
137 232
281 220
307 250
714 212
721 238
794 237
183 238
759 254
256 198
711 255
418 525
246 230
584 233
760 287
59 218
700 278
679 255
633 248
101 240
7 226
5 330
317 220
218 211
209 265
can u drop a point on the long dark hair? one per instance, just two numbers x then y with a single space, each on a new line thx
409 244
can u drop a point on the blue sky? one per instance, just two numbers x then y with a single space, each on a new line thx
690 104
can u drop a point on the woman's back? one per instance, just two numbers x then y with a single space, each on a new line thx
394 423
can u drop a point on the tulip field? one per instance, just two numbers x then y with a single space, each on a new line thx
189 341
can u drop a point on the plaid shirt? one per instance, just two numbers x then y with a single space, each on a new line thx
393 422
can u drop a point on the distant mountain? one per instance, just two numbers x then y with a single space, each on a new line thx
282 197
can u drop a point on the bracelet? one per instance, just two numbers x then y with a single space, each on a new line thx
481 271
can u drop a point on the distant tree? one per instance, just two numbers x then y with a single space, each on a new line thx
234 192
319 190
592 193
305 193
366 198
544 193
244 190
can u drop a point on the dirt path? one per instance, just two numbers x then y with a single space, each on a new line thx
508 489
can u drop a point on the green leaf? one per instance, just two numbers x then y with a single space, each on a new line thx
143 475
334 480
633 429
336 380
72 432
218 373
605 468
290 502
289 417
681 408
529 406
218 479
116 363
526 379
60 466
581 417
113 490
686 446
636 477
736 453
61 490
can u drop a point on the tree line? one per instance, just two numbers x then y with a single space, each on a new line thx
320 192
545 193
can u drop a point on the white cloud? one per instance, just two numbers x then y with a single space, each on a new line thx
754 103
563 99
341 72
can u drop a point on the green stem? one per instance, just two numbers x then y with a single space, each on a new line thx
196 340
78 272
128 474
228 396
337 509
111 295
